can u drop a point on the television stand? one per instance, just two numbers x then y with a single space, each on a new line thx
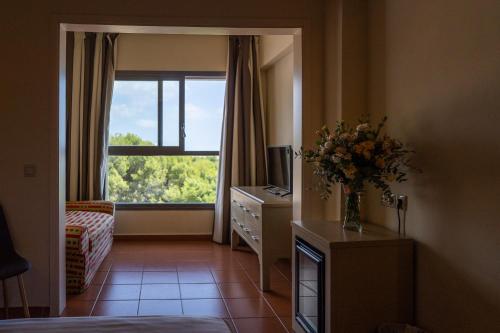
262 220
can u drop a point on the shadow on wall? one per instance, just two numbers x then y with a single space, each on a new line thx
377 96
452 210
441 98
441 297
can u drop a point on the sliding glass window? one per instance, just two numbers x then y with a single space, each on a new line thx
164 138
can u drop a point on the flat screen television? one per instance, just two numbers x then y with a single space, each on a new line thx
280 167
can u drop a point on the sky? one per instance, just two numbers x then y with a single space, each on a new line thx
134 109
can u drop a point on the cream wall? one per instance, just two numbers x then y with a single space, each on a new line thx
273 48
346 65
29 126
172 52
152 52
434 68
277 77
279 101
168 222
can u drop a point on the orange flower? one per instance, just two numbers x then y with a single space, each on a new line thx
340 150
380 163
350 171
369 145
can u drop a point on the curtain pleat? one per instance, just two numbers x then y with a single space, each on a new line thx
93 70
242 160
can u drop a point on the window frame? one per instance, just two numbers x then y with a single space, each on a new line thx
159 149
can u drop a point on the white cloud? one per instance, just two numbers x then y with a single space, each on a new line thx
196 113
122 111
171 91
146 123
137 87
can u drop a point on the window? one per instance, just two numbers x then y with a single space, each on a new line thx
165 130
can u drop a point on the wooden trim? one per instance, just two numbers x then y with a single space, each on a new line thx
17 312
163 237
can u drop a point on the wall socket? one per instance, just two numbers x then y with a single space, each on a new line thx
395 201
29 170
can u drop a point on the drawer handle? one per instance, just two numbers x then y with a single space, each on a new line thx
256 238
255 216
247 230
240 224
244 209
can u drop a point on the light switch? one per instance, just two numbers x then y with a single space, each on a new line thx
29 170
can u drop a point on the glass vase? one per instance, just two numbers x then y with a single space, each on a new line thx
352 219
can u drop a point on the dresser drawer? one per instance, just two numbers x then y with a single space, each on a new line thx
252 220
248 234
237 211
245 217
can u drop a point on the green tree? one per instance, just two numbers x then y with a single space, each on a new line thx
158 179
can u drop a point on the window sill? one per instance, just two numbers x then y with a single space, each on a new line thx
164 206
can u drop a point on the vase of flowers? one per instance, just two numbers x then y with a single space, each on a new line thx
354 157
352 219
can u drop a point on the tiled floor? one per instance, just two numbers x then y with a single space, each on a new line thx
187 278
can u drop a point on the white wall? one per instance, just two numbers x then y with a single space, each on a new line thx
279 101
277 77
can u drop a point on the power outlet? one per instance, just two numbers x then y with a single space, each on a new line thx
403 202
29 170
395 201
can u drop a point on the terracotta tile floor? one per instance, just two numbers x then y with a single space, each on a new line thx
140 278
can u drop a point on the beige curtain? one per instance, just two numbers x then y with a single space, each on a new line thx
93 70
243 150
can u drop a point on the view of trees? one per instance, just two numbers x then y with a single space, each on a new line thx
160 179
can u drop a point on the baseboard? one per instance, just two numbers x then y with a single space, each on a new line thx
163 237
18 312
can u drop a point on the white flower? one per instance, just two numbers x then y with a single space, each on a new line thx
363 127
344 136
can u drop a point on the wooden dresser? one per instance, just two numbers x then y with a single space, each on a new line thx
366 278
263 220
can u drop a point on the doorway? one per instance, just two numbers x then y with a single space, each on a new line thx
58 197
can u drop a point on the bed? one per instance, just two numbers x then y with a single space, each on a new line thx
89 237
158 324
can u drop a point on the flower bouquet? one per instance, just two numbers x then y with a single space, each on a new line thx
354 157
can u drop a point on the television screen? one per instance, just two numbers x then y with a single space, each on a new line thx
279 169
